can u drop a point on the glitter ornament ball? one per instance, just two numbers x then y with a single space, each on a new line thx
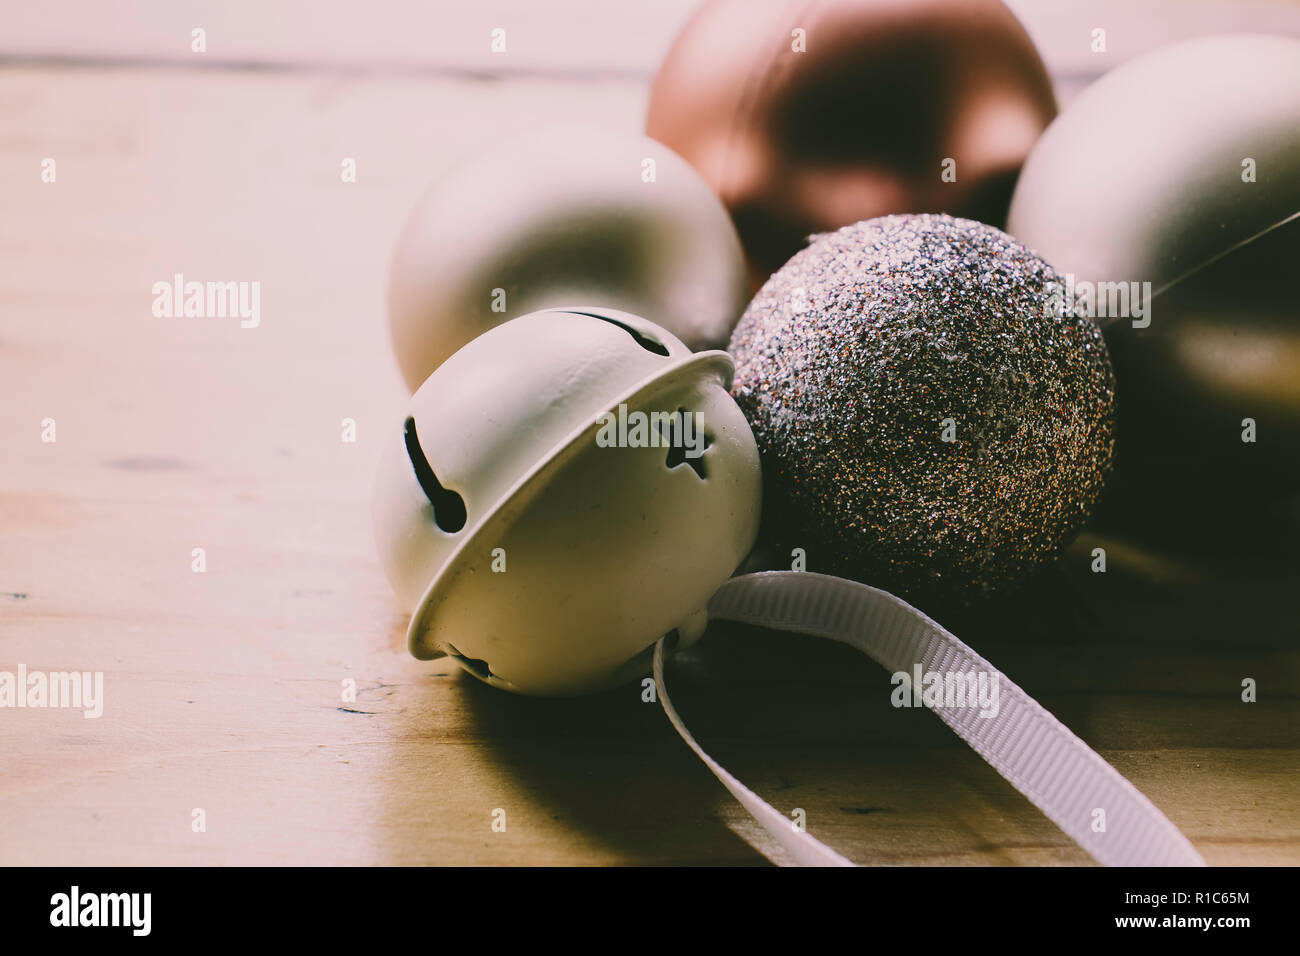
927 418
557 217
809 115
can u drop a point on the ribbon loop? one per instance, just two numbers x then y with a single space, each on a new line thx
1035 752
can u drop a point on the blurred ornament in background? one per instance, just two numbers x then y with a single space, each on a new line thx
558 217
925 423
1181 169
806 117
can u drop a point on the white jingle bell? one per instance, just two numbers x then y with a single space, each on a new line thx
566 489
562 216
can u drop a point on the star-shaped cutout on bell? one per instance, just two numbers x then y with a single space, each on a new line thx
677 450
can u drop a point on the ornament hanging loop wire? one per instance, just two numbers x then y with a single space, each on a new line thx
1031 749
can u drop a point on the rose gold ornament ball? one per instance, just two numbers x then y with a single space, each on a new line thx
808 116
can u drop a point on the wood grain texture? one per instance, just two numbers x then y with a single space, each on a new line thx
223 688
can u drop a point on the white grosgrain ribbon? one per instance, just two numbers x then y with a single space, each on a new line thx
1035 752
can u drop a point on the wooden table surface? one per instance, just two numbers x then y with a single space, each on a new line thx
223 688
